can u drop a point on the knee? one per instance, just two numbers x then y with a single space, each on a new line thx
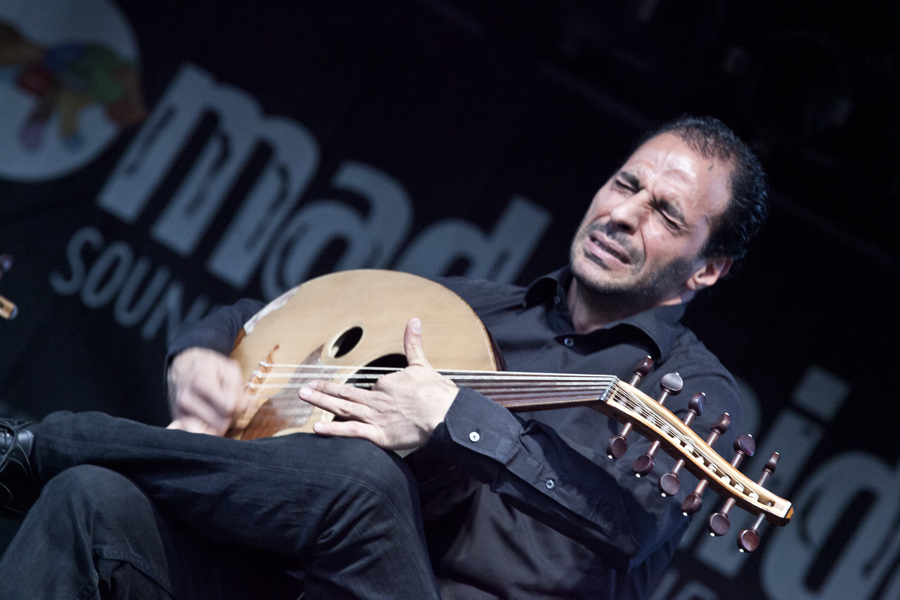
377 464
382 473
99 525
87 481
88 492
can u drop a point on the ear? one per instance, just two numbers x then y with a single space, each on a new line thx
710 272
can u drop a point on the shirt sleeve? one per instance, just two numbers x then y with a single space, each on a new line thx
217 331
581 493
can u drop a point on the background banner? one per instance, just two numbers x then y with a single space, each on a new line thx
160 159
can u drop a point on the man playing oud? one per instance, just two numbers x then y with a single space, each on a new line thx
491 504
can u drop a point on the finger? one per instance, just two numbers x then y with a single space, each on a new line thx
341 390
349 429
332 402
206 384
199 407
190 405
222 391
231 382
412 344
191 425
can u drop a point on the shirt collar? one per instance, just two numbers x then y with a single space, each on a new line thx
662 325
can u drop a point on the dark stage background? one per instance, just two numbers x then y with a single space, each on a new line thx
160 158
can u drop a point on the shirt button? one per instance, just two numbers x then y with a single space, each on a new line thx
550 485
474 436
569 342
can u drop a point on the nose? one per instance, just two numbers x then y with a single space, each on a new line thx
627 214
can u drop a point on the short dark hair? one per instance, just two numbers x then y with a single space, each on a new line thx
748 206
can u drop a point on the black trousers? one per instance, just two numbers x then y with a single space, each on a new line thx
133 511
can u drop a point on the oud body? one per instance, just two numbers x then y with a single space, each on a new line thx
347 321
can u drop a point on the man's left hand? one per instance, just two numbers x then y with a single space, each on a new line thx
400 411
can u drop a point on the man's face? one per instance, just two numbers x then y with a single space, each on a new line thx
643 232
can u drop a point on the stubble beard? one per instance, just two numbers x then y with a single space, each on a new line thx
633 296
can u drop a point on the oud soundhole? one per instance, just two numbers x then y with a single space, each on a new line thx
346 342
367 375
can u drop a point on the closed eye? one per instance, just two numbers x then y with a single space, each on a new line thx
670 213
623 186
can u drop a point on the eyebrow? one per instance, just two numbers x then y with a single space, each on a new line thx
672 209
630 178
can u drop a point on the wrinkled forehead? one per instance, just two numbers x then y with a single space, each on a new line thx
684 153
675 165
666 144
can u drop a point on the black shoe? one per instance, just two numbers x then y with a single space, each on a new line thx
19 485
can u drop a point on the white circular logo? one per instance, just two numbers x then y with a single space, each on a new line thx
69 83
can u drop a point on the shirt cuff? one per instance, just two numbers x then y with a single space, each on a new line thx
477 434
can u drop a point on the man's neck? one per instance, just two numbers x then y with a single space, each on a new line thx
590 311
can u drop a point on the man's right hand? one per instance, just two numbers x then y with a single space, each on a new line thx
206 391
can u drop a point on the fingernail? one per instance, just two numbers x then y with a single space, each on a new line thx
416 325
305 392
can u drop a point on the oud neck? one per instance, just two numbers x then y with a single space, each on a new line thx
536 391
624 403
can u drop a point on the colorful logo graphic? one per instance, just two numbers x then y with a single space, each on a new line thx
68 85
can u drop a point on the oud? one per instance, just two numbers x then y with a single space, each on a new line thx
325 329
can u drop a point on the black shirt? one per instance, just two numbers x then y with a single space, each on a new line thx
530 506
539 511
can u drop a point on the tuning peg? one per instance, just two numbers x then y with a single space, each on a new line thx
617 444
718 523
693 502
671 385
748 539
669 484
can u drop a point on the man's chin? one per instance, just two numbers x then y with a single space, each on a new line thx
603 283
596 274
620 292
